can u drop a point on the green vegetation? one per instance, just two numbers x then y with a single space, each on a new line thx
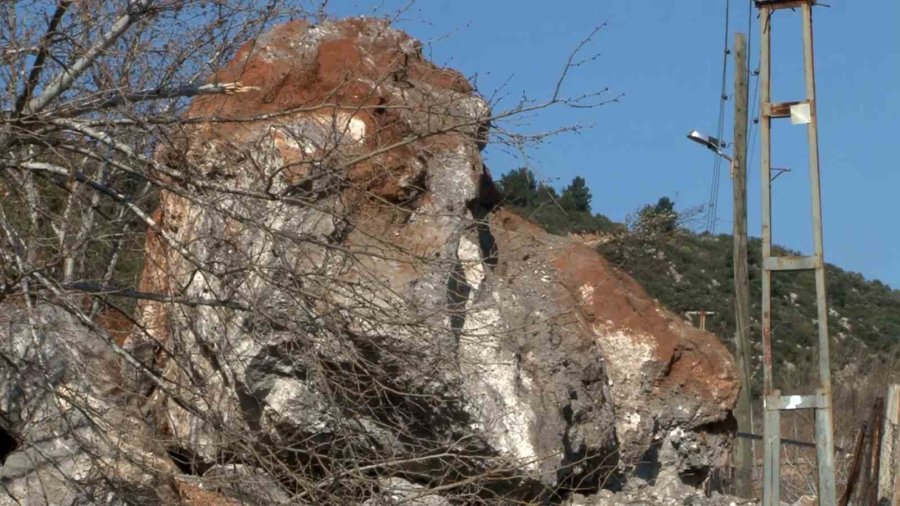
557 213
687 271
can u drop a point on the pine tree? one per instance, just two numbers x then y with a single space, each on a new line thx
576 196
519 187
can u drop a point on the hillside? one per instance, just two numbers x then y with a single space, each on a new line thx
687 271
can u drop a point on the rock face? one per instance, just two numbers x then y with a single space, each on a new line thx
359 231
354 319
74 445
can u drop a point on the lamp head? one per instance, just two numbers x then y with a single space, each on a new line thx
710 142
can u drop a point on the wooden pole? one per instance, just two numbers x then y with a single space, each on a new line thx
743 411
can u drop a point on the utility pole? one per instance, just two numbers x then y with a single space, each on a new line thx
702 314
801 112
743 411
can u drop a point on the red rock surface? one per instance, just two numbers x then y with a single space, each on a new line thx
663 372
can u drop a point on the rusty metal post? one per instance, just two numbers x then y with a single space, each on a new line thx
862 481
854 465
877 420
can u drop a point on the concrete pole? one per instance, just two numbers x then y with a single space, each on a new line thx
889 474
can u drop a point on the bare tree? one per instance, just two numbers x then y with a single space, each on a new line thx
104 119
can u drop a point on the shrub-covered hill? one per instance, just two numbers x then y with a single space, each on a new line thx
687 271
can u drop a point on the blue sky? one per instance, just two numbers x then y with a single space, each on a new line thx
666 58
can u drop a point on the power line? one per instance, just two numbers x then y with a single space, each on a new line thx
754 123
717 160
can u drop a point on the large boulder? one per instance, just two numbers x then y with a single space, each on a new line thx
75 442
359 310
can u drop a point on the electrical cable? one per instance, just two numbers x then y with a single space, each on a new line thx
754 124
720 129
754 117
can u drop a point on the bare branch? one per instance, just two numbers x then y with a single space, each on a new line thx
38 65
98 289
188 90
62 82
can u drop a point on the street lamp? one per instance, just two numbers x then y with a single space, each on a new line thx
713 144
